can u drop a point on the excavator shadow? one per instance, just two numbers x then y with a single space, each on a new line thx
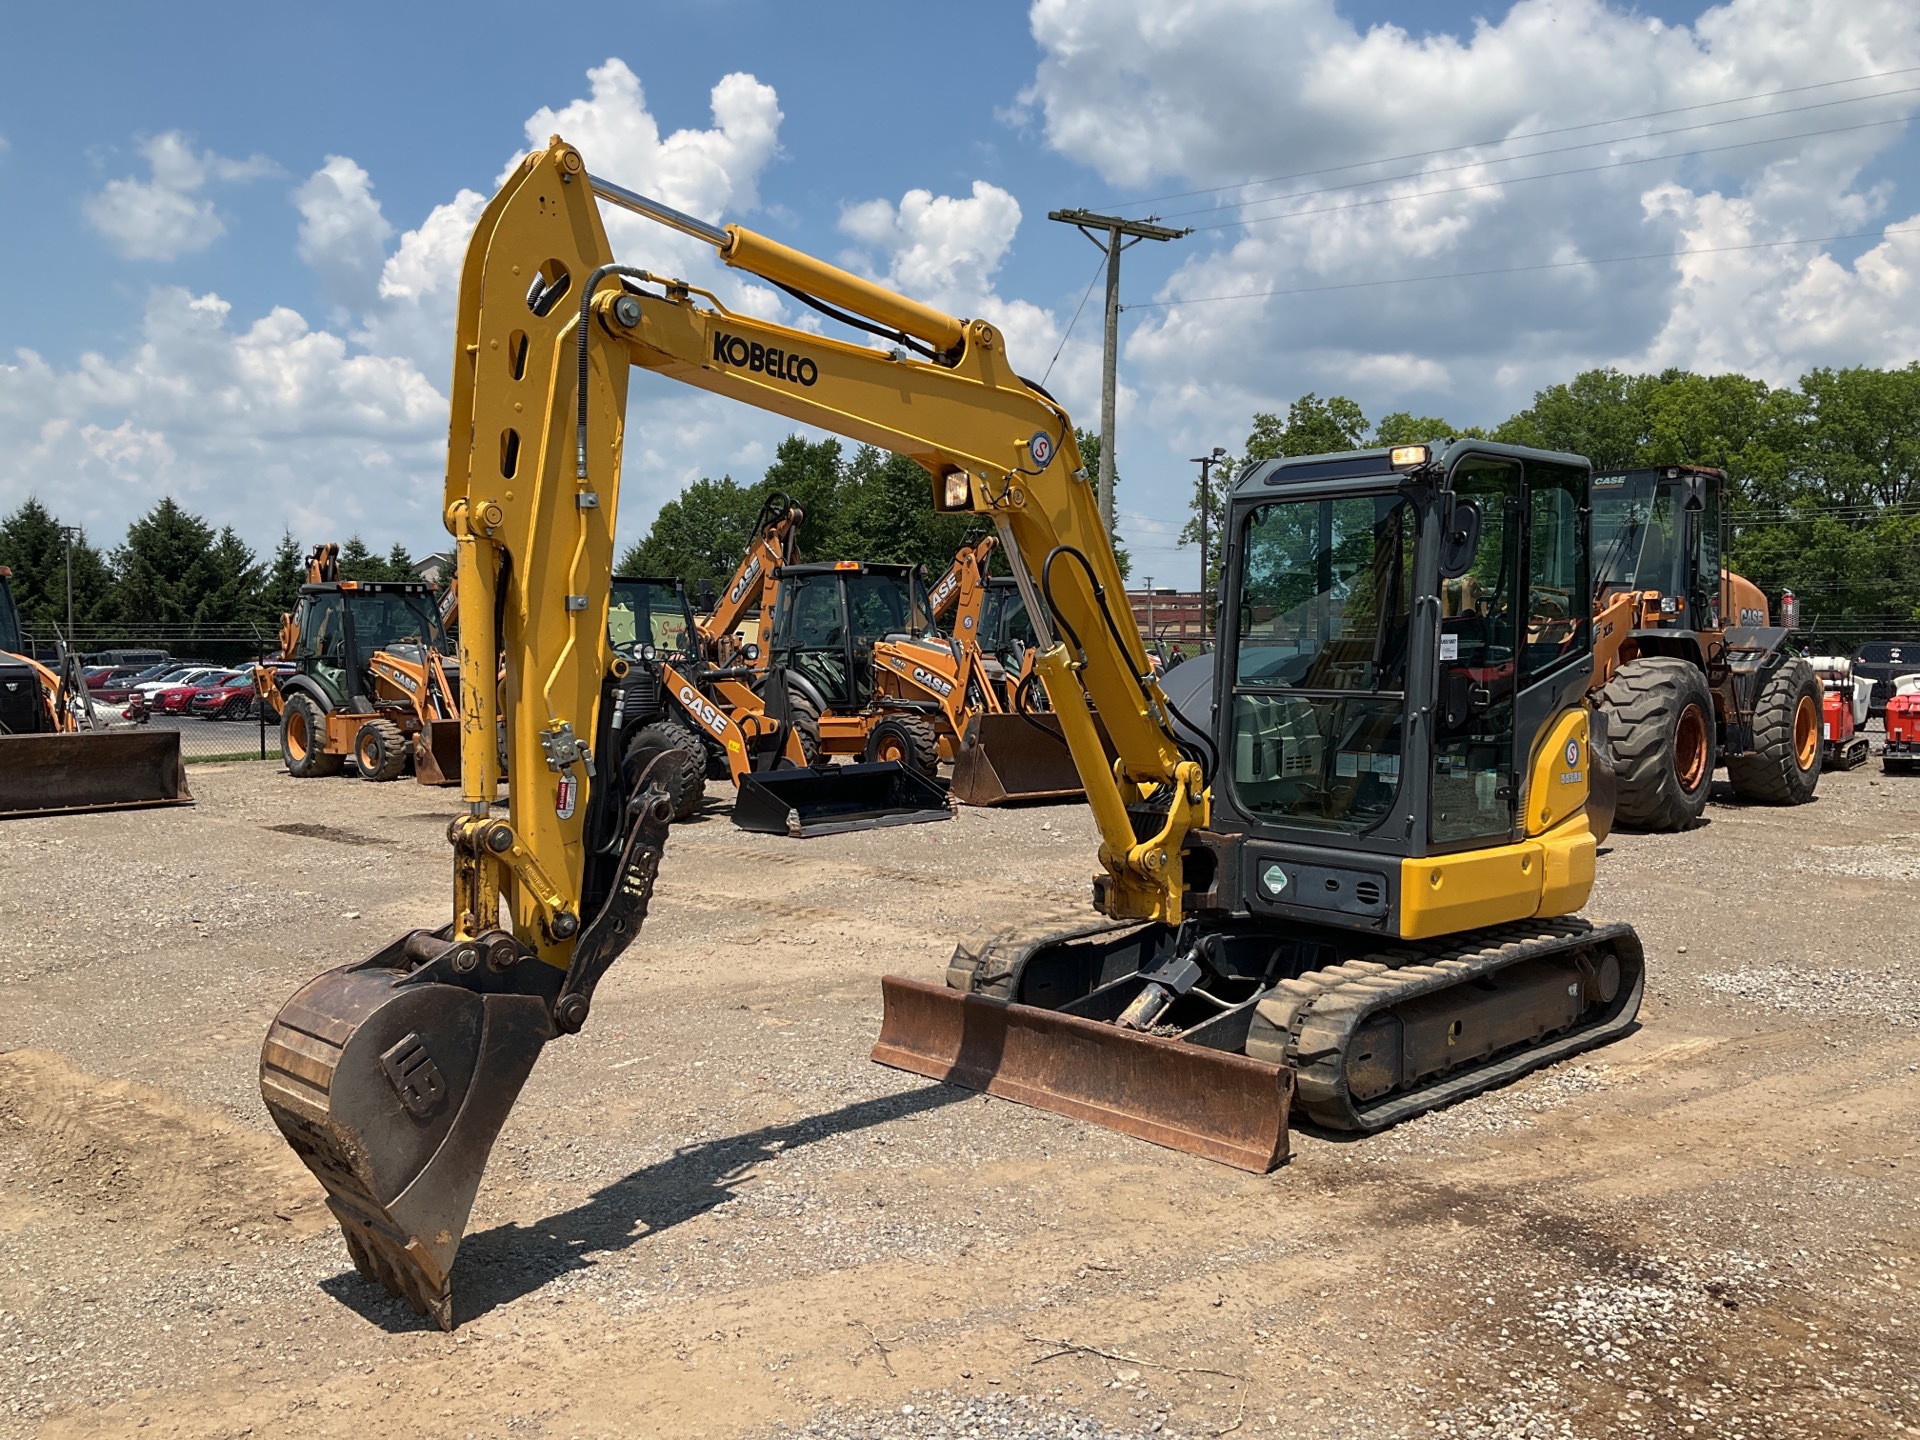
509 1262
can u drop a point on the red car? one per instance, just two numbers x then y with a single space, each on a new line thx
174 699
226 697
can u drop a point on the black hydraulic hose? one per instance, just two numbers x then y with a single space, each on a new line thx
586 308
899 337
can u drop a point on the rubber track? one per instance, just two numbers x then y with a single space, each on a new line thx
991 962
1330 1005
1770 774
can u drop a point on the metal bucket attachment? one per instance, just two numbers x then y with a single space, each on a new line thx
1004 759
91 770
392 1084
1211 1103
805 802
436 753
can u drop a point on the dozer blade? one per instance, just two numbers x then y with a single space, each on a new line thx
392 1085
436 753
91 770
1222 1106
804 803
1004 759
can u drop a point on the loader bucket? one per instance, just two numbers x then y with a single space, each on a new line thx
806 802
392 1085
91 770
1004 759
1211 1103
436 753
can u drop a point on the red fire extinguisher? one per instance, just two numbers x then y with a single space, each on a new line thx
1789 611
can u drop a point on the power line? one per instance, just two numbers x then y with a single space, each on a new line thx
1521 179
1091 282
1568 149
1528 135
1523 269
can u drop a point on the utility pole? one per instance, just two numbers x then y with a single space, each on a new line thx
1206 464
1112 230
69 531
1151 633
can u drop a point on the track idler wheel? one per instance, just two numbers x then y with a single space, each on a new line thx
392 1082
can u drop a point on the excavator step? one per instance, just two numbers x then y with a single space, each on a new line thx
1210 1103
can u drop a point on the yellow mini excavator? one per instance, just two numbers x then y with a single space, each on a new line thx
1351 862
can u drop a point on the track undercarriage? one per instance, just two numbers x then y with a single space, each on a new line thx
1368 1032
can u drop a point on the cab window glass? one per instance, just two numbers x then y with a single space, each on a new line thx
1557 604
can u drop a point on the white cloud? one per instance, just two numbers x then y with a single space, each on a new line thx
1212 92
343 235
166 216
276 421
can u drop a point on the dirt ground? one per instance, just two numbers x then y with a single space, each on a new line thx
712 1215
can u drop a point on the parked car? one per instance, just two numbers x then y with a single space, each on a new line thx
1884 662
179 675
226 697
171 699
113 684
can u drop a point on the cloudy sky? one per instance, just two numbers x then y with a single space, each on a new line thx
229 272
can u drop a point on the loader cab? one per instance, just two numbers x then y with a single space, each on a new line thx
339 626
1006 632
830 615
655 613
1657 531
1404 629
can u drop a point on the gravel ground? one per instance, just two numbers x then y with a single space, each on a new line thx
712 1215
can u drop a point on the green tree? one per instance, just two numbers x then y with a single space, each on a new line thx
810 473
884 511
34 548
701 535
1403 428
285 573
232 596
357 562
1863 434
400 563
166 568
1313 427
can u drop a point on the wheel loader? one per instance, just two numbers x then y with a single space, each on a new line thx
1688 674
1351 876
372 680
54 759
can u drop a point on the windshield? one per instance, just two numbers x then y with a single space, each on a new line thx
382 620
649 612
1319 679
9 621
1636 532
879 605
1003 618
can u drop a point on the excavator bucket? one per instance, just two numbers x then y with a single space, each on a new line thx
436 753
1211 1103
91 770
805 802
391 1080
1004 759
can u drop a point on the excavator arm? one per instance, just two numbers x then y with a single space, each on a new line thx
391 1078
776 535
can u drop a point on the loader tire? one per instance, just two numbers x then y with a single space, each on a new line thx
687 785
1784 768
303 739
804 715
908 739
380 750
1660 729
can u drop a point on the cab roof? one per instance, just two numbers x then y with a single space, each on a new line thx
1264 475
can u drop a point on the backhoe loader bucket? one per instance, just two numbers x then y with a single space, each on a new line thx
91 770
1211 1103
391 1084
806 802
1004 759
436 753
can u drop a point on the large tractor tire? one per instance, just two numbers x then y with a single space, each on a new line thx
803 713
1661 732
1784 767
380 751
303 739
687 786
911 741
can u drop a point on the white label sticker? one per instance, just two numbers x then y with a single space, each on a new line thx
1388 765
1449 647
1346 763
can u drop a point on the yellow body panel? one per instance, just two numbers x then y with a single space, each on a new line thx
1535 879
1558 777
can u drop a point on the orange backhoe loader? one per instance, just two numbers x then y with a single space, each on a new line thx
1351 876
741 613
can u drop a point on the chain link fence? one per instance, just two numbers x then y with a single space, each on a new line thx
197 680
